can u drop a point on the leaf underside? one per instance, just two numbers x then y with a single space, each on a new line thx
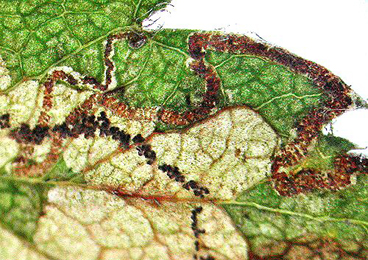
121 143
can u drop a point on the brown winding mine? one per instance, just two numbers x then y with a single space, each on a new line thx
310 126
307 129
83 121
71 127
80 121
213 84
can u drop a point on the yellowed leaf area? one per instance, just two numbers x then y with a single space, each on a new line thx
227 153
13 247
86 224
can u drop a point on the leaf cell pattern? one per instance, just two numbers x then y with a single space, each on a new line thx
130 228
130 143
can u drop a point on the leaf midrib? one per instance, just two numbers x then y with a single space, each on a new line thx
299 214
34 181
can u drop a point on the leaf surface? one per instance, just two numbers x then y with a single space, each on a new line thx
290 227
121 143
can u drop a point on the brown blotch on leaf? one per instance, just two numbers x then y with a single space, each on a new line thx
147 152
307 180
24 134
136 40
4 121
138 139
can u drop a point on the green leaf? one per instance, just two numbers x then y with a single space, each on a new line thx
21 206
61 172
37 35
140 71
279 95
325 151
116 142
283 227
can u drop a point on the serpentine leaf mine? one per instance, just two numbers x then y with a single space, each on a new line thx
121 143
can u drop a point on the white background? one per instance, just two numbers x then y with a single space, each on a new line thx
333 33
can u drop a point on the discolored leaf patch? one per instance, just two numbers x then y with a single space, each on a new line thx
132 228
119 143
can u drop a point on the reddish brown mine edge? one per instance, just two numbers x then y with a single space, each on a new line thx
287 184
